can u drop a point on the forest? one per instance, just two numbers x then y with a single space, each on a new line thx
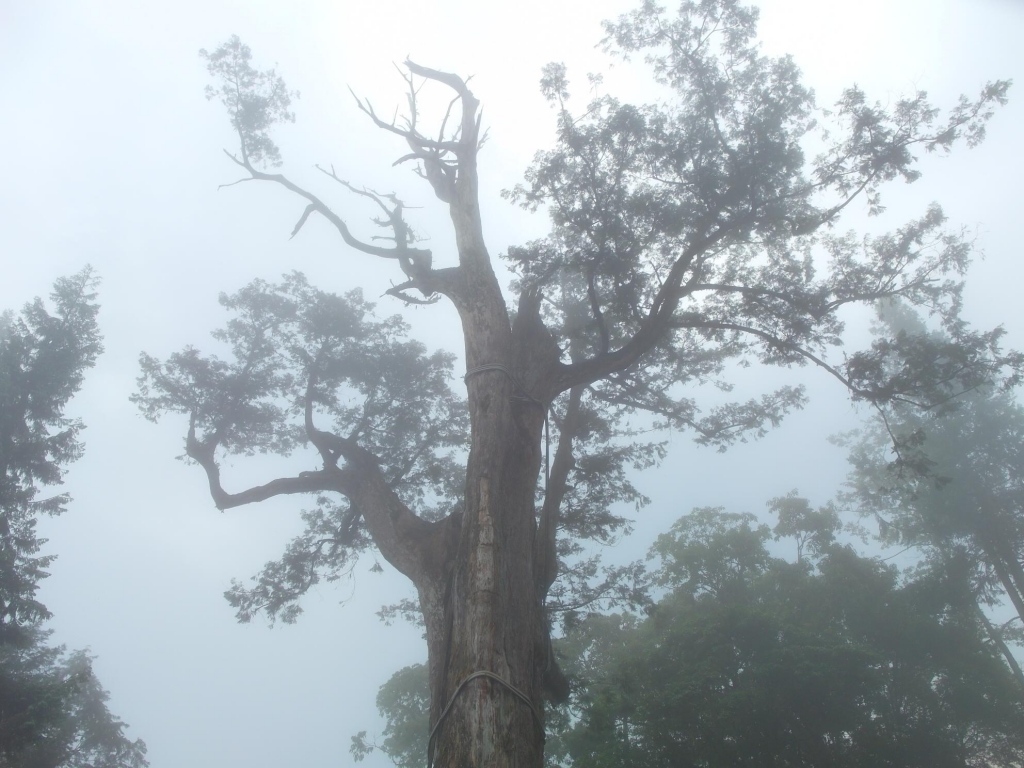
715 461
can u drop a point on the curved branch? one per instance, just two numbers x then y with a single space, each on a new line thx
398 291
748 290
653 328
802 302
873 397
317 205
410 543
776 341
453 81
315 436
328 479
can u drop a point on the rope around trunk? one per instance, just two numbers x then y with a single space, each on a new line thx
492 676
526 396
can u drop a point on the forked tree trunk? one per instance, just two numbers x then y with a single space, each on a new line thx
490 617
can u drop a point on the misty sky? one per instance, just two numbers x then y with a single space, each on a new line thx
113 157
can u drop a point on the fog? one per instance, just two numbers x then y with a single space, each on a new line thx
113 158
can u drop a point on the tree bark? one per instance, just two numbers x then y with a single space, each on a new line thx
492 614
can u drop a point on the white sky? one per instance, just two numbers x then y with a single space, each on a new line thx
113 158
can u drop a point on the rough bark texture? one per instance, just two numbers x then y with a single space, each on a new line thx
492 613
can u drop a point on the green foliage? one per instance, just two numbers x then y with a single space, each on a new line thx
951 483
750 660
53 710
814 529
255 100
404 700
711 550
688 236
960 481
295 348
371 382
704 208
43 358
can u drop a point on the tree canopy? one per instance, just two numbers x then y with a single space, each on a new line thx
687 236
44 359
949 484
753 660
53 711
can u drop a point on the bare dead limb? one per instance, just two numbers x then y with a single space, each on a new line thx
444 159
395 220
409 134
318 206
233 183
398 291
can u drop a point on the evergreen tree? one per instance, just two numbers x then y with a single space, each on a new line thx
950 483
686 235
53 710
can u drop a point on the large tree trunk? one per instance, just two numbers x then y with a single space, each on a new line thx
481 574
491 619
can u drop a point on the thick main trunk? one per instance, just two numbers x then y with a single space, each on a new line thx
491 615
493 620
486 617
486 629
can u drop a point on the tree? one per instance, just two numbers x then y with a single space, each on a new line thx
44 358
752 660
404 701
685 237
52 708
749 659
954 489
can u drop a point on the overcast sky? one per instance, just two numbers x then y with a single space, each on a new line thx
113 157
